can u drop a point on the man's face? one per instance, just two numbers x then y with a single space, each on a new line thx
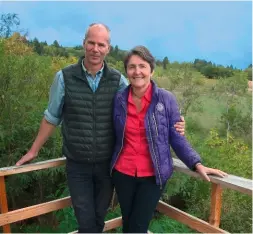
96 45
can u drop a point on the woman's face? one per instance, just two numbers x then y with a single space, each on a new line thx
138 72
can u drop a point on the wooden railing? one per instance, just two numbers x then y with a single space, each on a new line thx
232 182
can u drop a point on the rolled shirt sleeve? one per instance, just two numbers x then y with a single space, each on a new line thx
53 113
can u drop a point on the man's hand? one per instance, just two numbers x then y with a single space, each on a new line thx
29 156
180 126
205 171
46 130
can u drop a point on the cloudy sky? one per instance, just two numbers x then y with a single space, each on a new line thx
220 32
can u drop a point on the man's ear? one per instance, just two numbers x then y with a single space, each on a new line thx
109 49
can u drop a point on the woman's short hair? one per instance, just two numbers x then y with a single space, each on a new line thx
142 52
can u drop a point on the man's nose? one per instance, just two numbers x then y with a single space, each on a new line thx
95 48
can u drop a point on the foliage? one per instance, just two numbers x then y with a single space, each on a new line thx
165 62
25 79
230 91
56 44
118 65
234 157
184 85
38 47
211 70
236 151
72 52
163 224
117 54
9 24
16 44
26 72
249 73
42 48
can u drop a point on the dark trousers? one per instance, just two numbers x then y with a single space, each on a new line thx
91 189
138 197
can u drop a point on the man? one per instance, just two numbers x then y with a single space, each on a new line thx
81 99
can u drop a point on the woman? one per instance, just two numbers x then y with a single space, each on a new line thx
144 116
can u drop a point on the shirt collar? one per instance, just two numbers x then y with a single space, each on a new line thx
87 72
147 95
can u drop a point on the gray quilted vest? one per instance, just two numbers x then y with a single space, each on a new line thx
87 125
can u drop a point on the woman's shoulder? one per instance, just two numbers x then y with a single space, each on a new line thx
166 95
168 99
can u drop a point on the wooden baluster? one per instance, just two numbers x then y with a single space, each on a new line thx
4 203
216 202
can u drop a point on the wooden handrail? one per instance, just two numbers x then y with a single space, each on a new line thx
230 181
33 211
3 203
6 171
233 182
185 218
216 196
109 224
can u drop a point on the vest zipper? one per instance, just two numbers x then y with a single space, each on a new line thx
156 160
122 142
94 129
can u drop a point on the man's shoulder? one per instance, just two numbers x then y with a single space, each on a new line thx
114 71
71 70
121 93
70 67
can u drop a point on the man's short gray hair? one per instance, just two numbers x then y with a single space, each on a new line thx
98 24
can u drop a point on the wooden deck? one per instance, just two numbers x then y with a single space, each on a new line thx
232 182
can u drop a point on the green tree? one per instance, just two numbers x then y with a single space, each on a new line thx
165 63
116 50
159 62
56 44
183 84
231 90
78 47
8 24
44 43
248 71
38 47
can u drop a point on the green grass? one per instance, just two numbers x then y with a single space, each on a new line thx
211 112
164 224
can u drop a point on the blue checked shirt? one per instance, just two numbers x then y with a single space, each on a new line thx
53 113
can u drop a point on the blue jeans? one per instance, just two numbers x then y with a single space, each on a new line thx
91 189
138 197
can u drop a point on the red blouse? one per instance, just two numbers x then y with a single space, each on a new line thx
135 159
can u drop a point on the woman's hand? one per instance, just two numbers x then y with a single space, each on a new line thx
205 171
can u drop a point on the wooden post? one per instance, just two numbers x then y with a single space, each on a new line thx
4 203
216 202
